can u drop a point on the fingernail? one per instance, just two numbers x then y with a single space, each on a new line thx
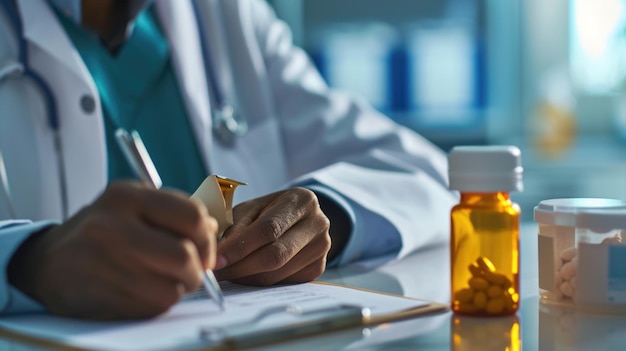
221 262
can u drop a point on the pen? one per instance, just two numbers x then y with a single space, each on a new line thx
137 156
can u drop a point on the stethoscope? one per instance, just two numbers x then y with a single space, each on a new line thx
227 123
22 67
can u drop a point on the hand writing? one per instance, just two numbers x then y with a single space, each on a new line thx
132 254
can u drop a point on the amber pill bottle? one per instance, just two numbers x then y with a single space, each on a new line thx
484 245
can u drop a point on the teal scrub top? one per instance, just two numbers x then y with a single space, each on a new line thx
139 91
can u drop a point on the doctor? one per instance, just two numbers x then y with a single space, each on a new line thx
213 86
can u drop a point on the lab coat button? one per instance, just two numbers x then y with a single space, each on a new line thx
87 103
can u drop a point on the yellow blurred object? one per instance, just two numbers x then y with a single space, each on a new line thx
554 130
553 123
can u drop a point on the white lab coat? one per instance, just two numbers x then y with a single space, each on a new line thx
300 132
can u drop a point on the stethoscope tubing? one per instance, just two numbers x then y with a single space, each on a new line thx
227 122
23 59
23 67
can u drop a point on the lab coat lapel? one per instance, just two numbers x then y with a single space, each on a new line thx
42 28
179 23
53 56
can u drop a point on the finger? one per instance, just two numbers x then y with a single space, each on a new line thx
169 210
137 291
258 227
307 274
130 246
113 293
247 212
171 257
280 259
185 217
293 272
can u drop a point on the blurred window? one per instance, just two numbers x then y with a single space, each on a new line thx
598 45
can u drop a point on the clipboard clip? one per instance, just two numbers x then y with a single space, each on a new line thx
311 322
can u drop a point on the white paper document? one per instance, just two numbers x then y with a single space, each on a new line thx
181 327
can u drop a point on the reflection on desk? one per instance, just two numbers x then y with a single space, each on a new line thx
478 334
564 328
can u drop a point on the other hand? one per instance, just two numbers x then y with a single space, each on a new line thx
133 253
279 238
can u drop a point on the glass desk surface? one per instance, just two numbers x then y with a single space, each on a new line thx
425 275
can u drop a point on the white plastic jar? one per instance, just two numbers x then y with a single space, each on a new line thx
582 261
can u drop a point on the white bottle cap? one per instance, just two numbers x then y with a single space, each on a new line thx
563 212
485 168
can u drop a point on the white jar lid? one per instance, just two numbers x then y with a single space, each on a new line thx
563 212
485 168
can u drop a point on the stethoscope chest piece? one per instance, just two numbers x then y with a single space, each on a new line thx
228 125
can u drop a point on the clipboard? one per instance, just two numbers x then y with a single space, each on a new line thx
319 322
305 323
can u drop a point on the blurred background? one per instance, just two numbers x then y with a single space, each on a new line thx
547 76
